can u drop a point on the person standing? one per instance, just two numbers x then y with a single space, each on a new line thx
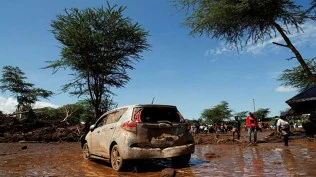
252 125
283 127
236 128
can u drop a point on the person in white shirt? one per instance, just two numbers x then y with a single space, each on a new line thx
283 127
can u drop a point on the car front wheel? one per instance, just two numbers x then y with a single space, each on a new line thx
116 159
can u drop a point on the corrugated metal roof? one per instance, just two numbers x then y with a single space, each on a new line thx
307 95
304 102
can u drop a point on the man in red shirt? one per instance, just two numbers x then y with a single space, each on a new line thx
252 124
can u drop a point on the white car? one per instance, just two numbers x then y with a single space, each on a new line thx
139 132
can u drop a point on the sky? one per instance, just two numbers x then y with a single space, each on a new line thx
192 72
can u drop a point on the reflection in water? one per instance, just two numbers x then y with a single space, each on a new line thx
224 160
239 165
253 160
288 160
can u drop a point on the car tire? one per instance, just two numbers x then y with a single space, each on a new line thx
116 159
181 161
85 151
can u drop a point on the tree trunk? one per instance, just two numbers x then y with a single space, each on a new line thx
296 53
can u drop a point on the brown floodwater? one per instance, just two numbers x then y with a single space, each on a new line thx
64 159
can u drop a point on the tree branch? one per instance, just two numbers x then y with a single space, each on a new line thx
291 58
283 45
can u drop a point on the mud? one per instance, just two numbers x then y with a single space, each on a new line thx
227 138
37 130
64 159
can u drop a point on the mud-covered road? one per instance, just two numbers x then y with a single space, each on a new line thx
64 159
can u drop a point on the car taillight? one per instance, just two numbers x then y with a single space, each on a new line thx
137 116
132 124
129 126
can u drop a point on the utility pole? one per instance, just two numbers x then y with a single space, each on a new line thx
254 105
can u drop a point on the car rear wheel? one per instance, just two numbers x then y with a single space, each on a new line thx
85 151
116 159
181 161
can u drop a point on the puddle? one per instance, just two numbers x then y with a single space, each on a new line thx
64 159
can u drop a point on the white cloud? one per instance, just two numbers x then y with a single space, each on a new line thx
41 104
8 105
298 39
222 49
285 89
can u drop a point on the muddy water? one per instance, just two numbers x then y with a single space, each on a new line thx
65 159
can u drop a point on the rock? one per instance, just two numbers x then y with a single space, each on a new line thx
24 147
168 172
277 162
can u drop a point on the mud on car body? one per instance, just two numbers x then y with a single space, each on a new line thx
139 132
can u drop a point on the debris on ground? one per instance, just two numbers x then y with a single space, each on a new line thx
274 137
168 172
211 156
38 130
211 138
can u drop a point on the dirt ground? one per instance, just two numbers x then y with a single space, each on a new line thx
267 135
228 159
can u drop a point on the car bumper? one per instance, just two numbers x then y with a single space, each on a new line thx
150 153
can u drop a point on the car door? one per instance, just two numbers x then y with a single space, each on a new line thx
108 130
95 136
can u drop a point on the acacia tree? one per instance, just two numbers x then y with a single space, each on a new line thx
297 78
243 21
98 46
262 113
13 80
242 114
217 113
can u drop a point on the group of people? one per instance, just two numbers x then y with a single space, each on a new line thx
197 128
252 125
209 128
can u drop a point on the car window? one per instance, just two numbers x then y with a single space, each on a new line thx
155 114
101 121
115 116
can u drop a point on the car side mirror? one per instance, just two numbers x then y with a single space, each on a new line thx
92 127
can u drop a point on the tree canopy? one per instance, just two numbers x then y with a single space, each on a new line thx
13 80
98 46
243 21
242 114
262 113
69 113
217 113
297 78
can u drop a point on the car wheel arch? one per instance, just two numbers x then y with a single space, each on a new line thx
83 140
111 146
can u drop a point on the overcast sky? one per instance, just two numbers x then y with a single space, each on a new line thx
193 73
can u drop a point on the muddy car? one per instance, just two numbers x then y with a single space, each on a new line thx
139 132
